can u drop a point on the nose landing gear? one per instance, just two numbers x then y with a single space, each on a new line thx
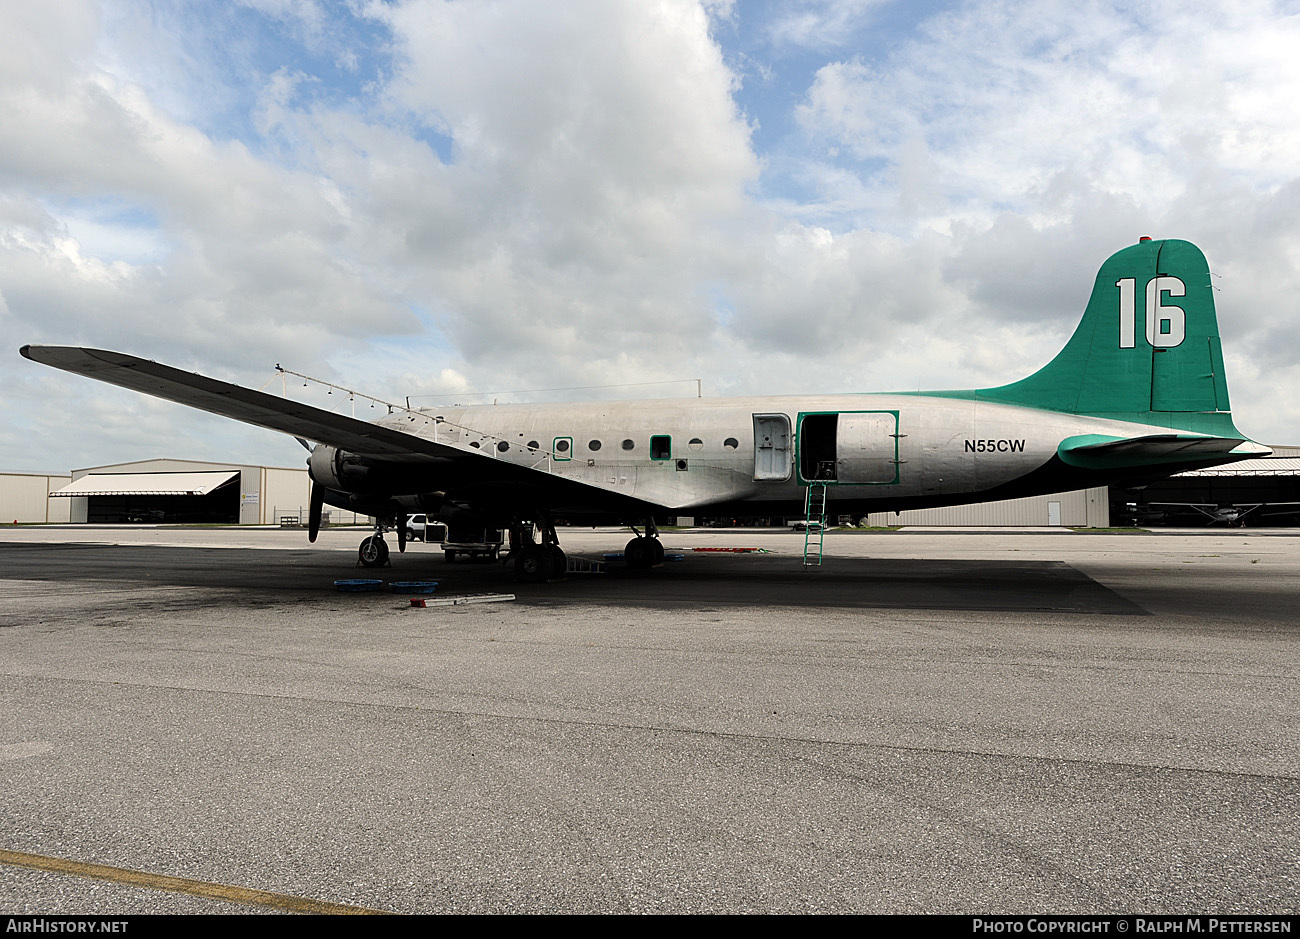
374 550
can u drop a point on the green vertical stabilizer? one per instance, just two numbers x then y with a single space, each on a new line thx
1147 349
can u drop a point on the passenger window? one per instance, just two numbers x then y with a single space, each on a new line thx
628 444
593 445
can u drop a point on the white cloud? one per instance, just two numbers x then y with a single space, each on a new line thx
501 195
1007 97
820 24
40 42
598 173
1038 138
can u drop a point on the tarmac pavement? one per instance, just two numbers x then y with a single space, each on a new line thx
930 722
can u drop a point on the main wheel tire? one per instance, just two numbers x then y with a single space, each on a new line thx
657 557
450 556
559 563
533 566
638 554
373 552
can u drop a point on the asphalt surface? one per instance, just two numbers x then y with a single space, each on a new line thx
931 722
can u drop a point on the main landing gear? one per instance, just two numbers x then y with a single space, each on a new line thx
644 551
374 550
536 563
535 549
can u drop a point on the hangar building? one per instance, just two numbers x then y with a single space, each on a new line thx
1083 508
25 497
162 491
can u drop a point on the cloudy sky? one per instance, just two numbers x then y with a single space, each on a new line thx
429 198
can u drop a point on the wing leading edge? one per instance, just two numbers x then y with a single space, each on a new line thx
245 404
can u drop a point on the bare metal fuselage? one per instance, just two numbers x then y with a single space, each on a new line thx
755 455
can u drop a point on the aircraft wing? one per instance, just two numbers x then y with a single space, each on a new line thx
245 404
467 467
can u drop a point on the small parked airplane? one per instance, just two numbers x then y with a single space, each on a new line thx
1231 514
1137 393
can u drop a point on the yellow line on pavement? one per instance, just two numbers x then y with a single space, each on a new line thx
197 888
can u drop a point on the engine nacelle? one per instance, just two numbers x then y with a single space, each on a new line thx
339 470
376 487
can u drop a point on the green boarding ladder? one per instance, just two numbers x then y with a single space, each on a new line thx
814 533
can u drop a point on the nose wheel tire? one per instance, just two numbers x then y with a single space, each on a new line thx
373 552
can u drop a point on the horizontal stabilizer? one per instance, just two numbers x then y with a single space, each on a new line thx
243 404
1095 451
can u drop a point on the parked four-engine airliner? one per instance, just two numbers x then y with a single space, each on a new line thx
1138 392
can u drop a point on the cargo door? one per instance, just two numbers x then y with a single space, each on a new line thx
866 447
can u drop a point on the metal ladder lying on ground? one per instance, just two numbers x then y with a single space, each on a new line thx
814 532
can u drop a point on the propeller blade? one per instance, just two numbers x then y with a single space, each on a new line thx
317 503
